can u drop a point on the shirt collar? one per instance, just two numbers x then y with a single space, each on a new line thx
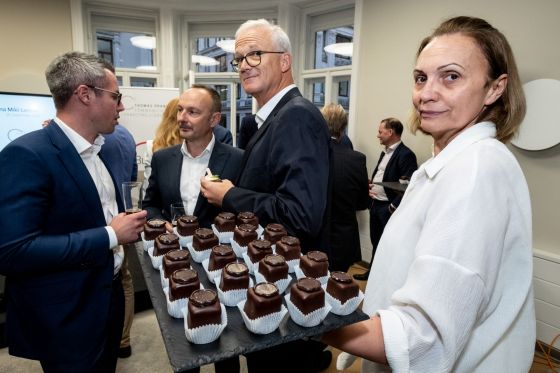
82 146
207 150
267 108
391 148
473 134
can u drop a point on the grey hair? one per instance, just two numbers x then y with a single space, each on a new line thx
279 36
66 72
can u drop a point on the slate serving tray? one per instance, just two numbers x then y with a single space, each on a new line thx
236 339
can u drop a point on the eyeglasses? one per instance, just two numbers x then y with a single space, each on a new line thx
117 96
253 59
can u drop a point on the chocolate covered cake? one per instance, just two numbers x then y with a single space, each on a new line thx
247 218
174 260
262 299
153 228
273 267
204 308
274 232
314 264
245 233
165 243
307 295
220 256
182 283
235 276
187 224
341 286
225 222
204 239
289 247
258 249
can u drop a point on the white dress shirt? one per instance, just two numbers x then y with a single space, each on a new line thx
264 112
103 183
192 170
378 190
452 276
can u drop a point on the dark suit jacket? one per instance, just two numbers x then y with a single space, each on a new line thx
284 175
165 180
402 163
223 135
350 194
54 250
247 129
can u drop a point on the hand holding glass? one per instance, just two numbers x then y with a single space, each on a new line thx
132 196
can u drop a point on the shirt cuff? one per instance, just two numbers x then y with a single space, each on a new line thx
113 242
396 343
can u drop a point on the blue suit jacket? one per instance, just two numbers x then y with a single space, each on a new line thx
54 250
119 151
284 176
223 135
165 180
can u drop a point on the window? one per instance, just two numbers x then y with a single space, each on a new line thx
212 57
121 52
336 35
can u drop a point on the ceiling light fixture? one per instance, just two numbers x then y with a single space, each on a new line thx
227 45
144 41
204 60
343 49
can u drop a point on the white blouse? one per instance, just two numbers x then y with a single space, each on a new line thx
452 275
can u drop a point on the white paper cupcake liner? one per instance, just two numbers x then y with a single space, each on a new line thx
175 308
237 249
260 230
156 260
311 319
230 298
198 256
263 325
147 244
210 274
249 263
299 274
282 284
224 237
346 308
164 281
183 240
207 333
292 265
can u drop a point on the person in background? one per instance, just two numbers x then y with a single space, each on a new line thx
119 151
167 134
284 175
59 213
247 129
345 141
222 134
349 193
451 286
395 162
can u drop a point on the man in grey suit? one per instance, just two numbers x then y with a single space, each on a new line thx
176 171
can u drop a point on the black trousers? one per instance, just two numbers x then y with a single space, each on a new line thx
379 215
106 361
297 356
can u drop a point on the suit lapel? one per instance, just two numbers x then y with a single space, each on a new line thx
118 188
174 177
292 93
377 165
77 170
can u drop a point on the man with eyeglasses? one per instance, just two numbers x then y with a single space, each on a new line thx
284 175
59 213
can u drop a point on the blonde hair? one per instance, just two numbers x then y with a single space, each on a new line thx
336 119
167 133
508 111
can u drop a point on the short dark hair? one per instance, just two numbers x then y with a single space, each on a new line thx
216 99
393 124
